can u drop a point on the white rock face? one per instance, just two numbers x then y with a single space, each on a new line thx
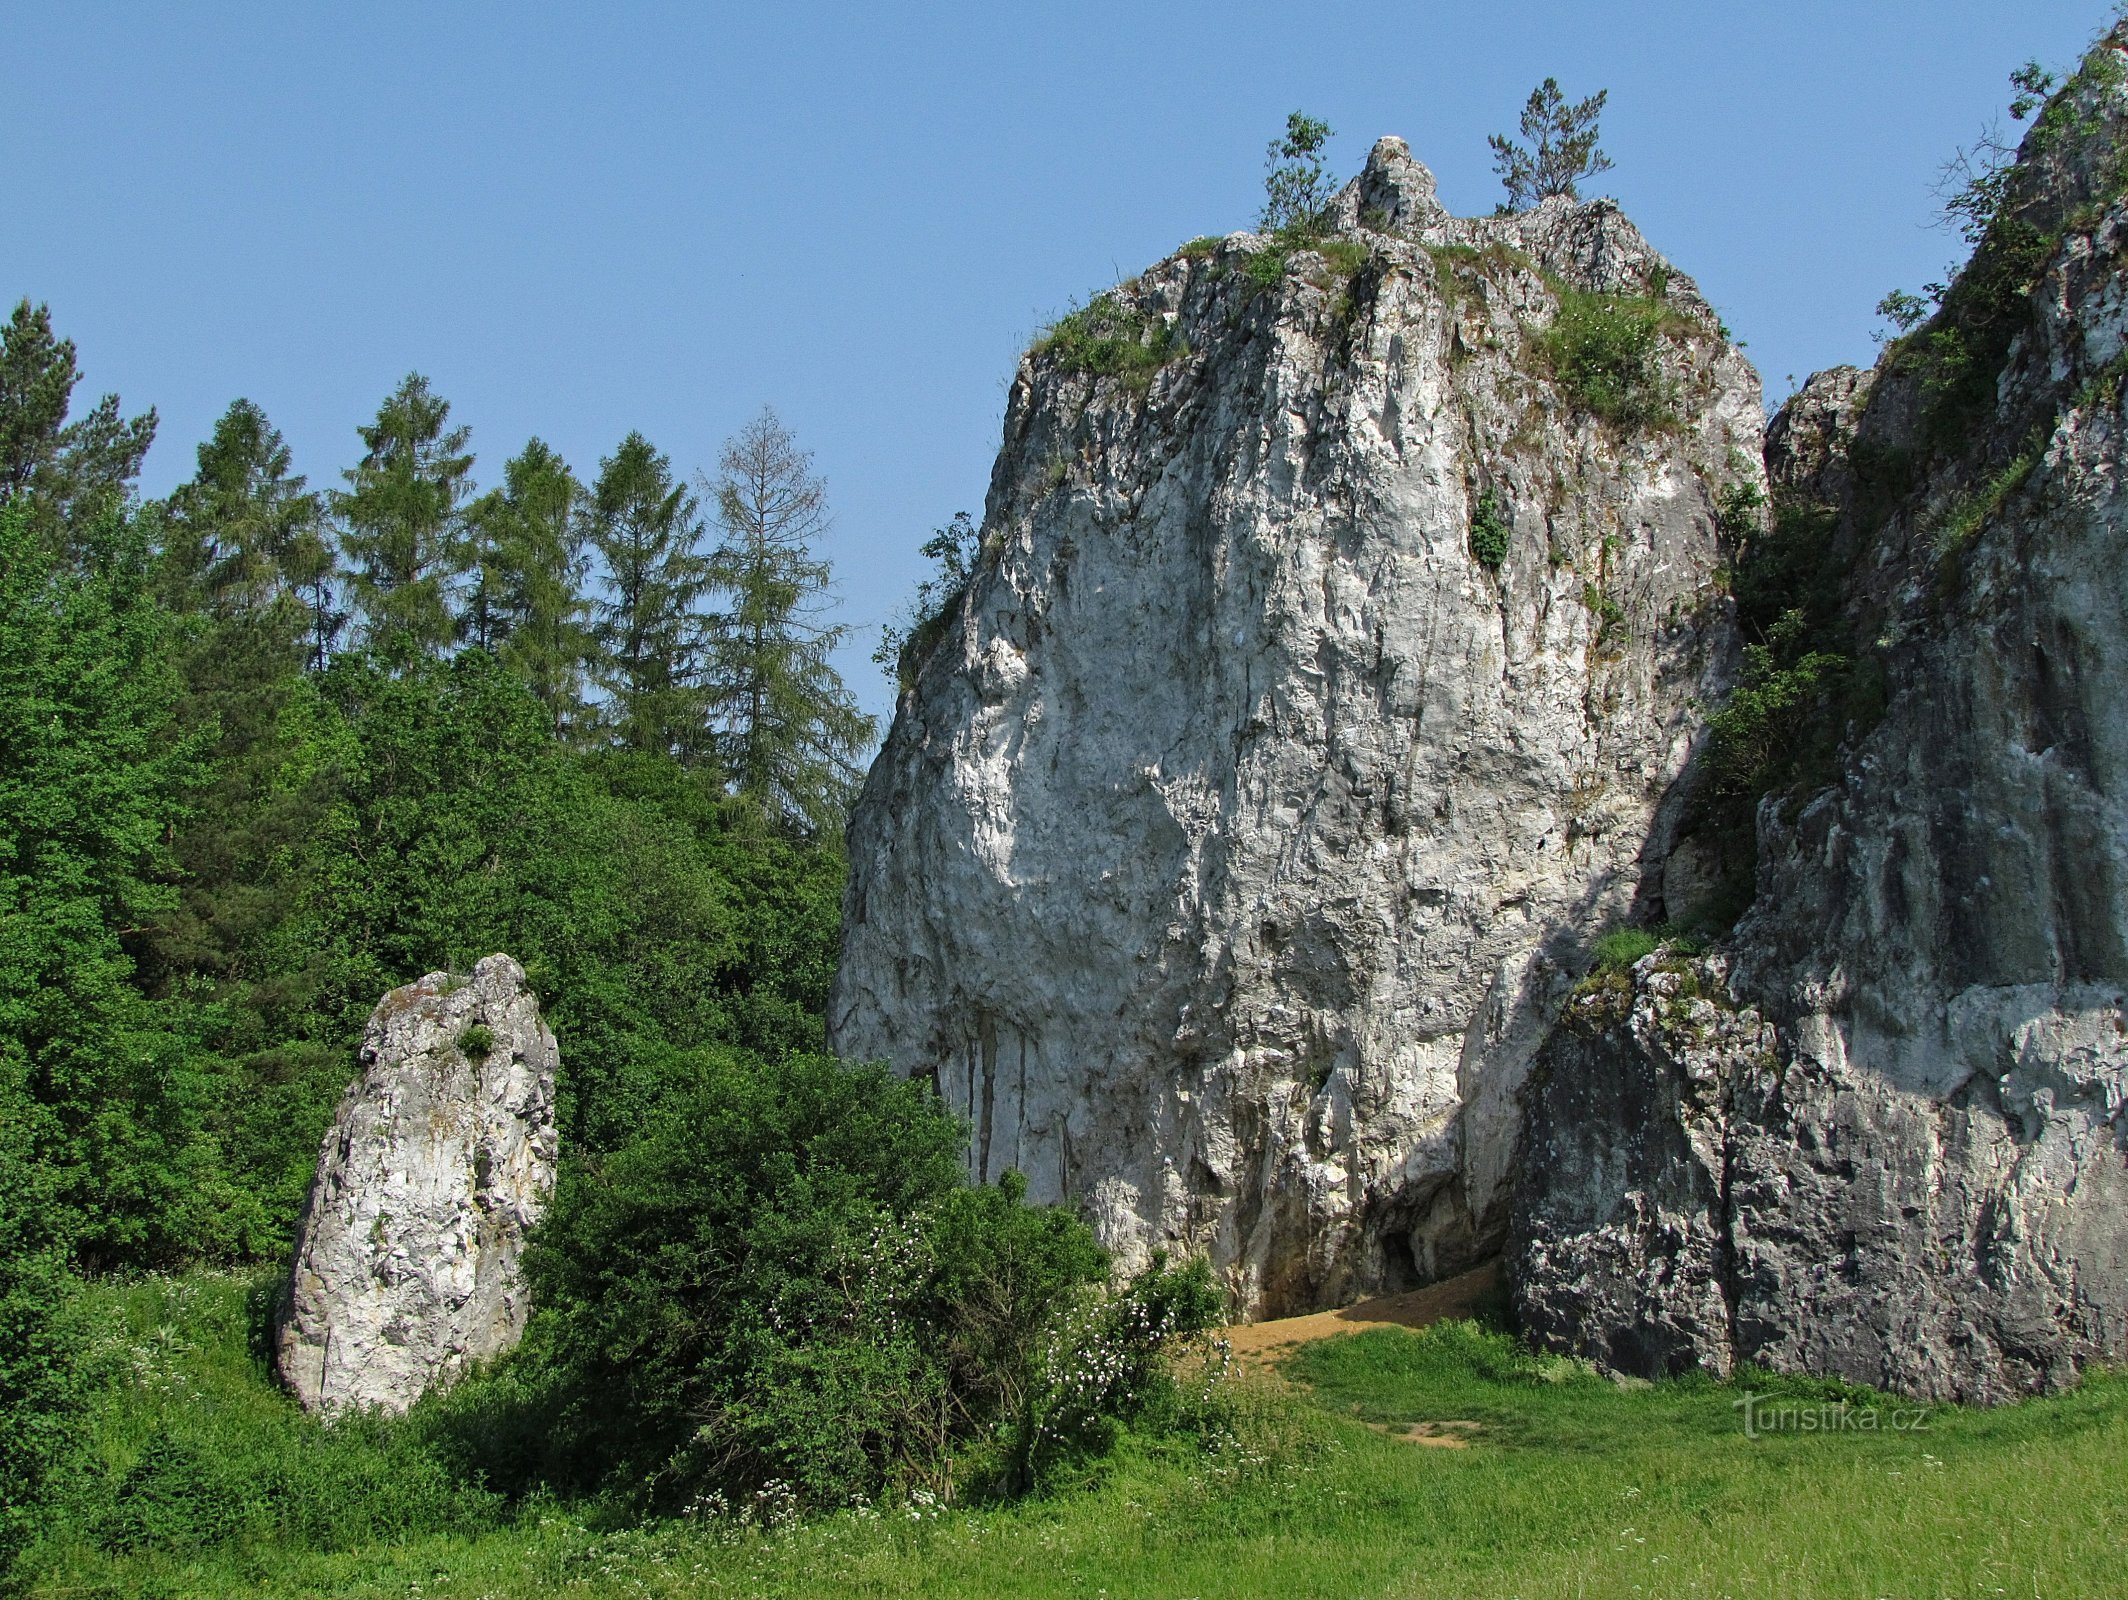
1228 860
440 1157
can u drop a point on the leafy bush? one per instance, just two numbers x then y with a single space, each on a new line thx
784 1286
1602 349
1490 535
1108 337
1782 722
907 642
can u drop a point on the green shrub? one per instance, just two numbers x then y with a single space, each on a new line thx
1108 337
1602 350
1490 535
1782 723
1206 244
785 1286
477 1043
40 1340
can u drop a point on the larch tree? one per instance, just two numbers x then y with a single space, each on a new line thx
781 720
648 532
401 521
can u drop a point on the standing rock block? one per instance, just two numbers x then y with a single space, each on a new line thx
440 1158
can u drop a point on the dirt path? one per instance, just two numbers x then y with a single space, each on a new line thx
1257 1345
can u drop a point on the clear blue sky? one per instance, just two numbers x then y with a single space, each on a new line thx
581 220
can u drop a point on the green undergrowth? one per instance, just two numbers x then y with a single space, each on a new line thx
1604 352
195 1476
1109 337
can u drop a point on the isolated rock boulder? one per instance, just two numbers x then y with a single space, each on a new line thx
440 1158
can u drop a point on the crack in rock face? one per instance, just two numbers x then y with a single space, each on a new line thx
440 1158
1235 846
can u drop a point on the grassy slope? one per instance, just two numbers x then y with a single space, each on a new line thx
1575 1487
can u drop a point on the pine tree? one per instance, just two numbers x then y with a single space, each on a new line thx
1560 152
526 602
648 532
781 719
68 474
402 520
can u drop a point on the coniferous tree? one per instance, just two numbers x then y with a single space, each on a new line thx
66 473
241 533
402 520
241 540
526 602
781 719
1560 151
648 532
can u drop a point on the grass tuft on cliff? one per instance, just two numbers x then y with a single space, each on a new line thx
1108 337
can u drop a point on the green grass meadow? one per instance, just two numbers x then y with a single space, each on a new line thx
196 1476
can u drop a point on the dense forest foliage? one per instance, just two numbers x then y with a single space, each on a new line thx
267 751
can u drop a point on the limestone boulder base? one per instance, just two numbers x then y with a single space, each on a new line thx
440 1158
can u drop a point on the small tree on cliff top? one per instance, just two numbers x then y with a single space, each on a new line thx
1559 148
1296 191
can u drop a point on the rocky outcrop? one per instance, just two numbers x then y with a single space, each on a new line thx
1620 1246
440 1157
1232 853
1928 1190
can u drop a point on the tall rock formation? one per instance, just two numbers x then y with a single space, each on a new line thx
1923 1183
1324 682
440 1157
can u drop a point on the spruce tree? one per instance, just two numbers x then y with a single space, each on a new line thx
781 719
401 520
241 541
68 475
648 532
241 533
526 602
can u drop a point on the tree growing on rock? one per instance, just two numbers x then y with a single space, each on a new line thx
1296 189
1558 148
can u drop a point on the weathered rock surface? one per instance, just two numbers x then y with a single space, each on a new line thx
1620 1243
1930 1191
439 1159
1230 857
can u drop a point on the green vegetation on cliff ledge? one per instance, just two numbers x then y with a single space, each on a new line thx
1604 351
1109 337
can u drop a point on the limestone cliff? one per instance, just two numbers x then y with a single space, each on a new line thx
1923 1182
1336 649
441 1156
